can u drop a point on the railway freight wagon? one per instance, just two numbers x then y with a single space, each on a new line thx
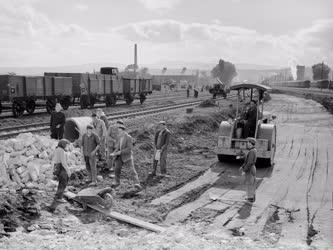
107 86
21 93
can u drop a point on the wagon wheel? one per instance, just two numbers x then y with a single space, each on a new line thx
65 103
18 109
129 99
113 100
30 106
108 101
84 101
142 98
92 101
50 105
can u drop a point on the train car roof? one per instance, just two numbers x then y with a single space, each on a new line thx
239 86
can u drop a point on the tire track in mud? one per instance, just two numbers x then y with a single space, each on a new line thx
311 215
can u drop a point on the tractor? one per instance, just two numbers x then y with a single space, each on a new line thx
231 141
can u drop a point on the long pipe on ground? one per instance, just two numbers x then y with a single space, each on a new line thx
75 127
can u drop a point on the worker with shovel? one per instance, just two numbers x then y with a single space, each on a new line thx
61 171
249 169
124 156
162 140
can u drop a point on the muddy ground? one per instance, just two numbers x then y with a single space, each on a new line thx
294 198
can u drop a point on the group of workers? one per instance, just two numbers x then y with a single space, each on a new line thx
108 143
111 143
195 92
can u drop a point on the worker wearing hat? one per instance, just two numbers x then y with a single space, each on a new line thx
249 169
57 123
161 142
124 156
90 145
61 172
101 115
100 130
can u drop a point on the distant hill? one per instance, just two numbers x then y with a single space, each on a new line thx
70 68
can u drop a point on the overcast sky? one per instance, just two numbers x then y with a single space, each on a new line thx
70 32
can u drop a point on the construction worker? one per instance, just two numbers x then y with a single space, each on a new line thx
250 120
111 138
196 92
57 123
124 156
90 145
101 115
100 130
249 169
188 92
161 142
61 171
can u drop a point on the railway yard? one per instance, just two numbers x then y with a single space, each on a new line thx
201 204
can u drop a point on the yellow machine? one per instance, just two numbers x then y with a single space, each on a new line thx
232 144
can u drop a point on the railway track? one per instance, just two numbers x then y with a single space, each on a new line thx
42 110
8 132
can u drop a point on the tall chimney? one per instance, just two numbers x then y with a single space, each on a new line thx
135 57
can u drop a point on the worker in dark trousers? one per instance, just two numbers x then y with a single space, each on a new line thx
89 146
161 142
249 170
250 120
196 93
188 92
124 156
61 171
57 123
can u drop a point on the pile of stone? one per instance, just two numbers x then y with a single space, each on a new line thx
26 162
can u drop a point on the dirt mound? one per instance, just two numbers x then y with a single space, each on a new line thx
199 124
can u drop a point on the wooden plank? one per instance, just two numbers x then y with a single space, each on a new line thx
121 217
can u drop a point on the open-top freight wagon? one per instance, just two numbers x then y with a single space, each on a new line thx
24 93
108 86
21 93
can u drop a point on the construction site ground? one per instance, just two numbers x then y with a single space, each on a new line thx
201 204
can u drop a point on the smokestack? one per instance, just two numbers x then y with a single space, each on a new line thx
135 57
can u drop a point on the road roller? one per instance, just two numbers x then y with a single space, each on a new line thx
232 143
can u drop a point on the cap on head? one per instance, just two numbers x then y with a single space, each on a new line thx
162 123
89 127
63 143
252 140
94 115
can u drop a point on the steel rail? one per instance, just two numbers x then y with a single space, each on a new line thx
9 132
